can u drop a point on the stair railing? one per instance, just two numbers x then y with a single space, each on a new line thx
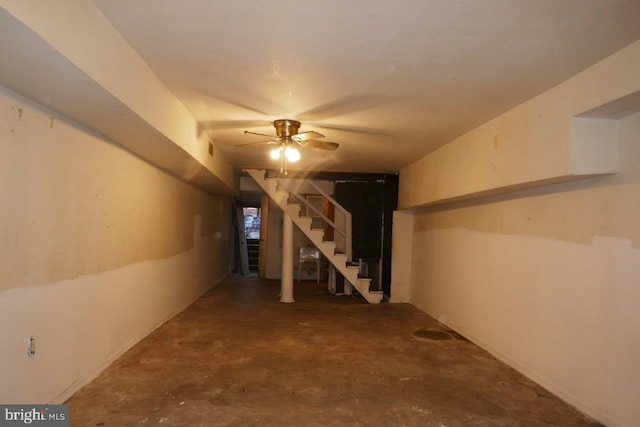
344 230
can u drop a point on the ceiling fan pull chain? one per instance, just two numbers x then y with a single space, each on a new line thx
286 161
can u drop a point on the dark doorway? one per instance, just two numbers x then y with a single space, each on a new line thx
252 234
365 202
371 203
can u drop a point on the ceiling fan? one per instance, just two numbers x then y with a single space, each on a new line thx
288 139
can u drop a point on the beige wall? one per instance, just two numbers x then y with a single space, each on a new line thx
401 254
115 94
563 134
97 248
546 279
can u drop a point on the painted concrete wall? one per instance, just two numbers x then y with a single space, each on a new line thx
401 256
97 249
546 279
116 94
535 143
273 266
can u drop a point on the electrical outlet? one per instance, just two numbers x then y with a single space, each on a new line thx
31 351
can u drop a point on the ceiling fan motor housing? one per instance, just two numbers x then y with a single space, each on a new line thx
286 128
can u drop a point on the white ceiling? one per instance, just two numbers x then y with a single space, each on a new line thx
389 80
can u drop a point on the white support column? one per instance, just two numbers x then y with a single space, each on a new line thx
286 285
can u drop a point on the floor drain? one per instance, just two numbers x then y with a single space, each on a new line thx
431 335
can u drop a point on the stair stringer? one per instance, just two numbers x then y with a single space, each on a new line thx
350 273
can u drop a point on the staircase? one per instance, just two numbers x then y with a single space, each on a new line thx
253 252
340 260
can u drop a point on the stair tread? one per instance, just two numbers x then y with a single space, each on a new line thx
276 190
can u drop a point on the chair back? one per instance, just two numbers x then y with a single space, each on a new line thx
309 253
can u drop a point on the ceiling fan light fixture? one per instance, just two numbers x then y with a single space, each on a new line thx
275 153
292 153
288 139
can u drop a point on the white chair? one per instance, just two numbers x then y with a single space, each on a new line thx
309 254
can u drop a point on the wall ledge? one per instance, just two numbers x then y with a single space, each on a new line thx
114 94
567 133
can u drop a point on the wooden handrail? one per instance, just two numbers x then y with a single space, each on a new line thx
347 232
320 214
328 197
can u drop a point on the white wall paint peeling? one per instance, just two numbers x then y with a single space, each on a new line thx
564 314
548 280
82 325
97 249
73 204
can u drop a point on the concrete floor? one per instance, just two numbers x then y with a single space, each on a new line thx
238 357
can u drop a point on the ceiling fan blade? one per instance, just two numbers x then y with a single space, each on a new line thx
316 143
260 134
305 136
